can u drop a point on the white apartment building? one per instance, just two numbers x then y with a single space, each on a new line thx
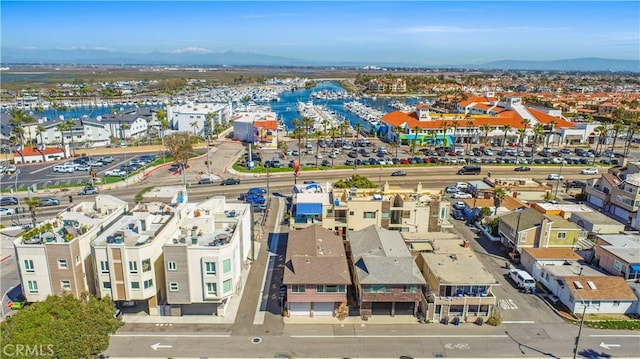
192 116
54 258
204 257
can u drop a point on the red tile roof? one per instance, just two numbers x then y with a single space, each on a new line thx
33 151
268 124
546 119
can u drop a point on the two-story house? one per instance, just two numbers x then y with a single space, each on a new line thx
386 278
533 230
619 254
458 285
617 193
316 272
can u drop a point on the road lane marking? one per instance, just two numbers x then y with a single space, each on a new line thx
164 335
614 335
518 322
397 336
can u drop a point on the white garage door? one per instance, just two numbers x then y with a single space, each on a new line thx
621 212
300 308
596 201
323 308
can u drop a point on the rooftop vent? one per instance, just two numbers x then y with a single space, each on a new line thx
577 284
591 285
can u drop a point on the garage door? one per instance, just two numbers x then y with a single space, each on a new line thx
621 213
323 308
303 308
596 201
404 308
381 308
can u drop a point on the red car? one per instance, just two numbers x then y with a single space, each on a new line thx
426 160
404 161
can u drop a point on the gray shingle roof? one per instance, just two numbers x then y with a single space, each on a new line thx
529 218
382 257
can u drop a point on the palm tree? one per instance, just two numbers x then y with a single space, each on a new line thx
538 133
397 131
299 133
455 129
445 127
498 196
33 204
62 126
432 136
27 121
39 131
211 119
552 125
325 123
469 126
632 129
526 124
416 130
70 124
334 133
343 129
602 132
162 119
16 123
485 129
616 127
505 129
358 128
195 127
307 123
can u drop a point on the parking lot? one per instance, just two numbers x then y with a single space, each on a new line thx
51 174
372 152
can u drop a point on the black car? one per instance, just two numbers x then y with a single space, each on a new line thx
5 201
399 173
576 184
205 181
349 162
522 169
326 163
229 181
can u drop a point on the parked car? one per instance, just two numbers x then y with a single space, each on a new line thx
7 211
205 181
229 181
6 201
451 189
94 163
461 195
457 214
48 201
459 206
107 159
115 173
257 191
88 190
522 169
576 184
399 173
589 171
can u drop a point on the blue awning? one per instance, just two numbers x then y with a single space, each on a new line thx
635 267
309 208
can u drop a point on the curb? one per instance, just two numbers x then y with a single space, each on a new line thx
5 258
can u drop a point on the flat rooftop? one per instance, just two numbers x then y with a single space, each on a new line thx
454 265
547 206
572 268
135 229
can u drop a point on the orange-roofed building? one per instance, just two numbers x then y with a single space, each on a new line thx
39 154
259 127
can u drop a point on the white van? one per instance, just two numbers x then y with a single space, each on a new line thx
64 168
522 279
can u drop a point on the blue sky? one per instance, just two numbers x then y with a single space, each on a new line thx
418 32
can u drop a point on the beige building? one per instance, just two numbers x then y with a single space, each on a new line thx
618 194
127 256
55 257
343 210
524 189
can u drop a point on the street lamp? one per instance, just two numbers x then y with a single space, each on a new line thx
584 313
559 177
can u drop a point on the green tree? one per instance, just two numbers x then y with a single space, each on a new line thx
398 130
356 181
180 146
63 326
470 125
16 122
69 125
505 129
416 130
485 129
298 133
538 133
307 123
498 196
33 204
616 128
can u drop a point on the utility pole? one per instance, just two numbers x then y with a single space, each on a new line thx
558 180
584 313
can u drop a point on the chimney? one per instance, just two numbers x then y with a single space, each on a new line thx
581 270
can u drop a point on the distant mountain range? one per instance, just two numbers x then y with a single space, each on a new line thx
200 57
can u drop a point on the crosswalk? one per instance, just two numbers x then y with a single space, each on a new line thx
507 304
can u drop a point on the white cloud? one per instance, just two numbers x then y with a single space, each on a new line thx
93 48
456 29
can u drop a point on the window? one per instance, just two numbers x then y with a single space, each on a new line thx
28 266
133 267
65 284
226 266
434 214
211 289
148 283
62 264
173 287
32 285
406 214
331 289
297 288
146 265
386 214
616 303
77 259
106 285
351 213
226 286
369 215
210 268
172 266
135 285
562 235
412 288
376 288
617 265
104 267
